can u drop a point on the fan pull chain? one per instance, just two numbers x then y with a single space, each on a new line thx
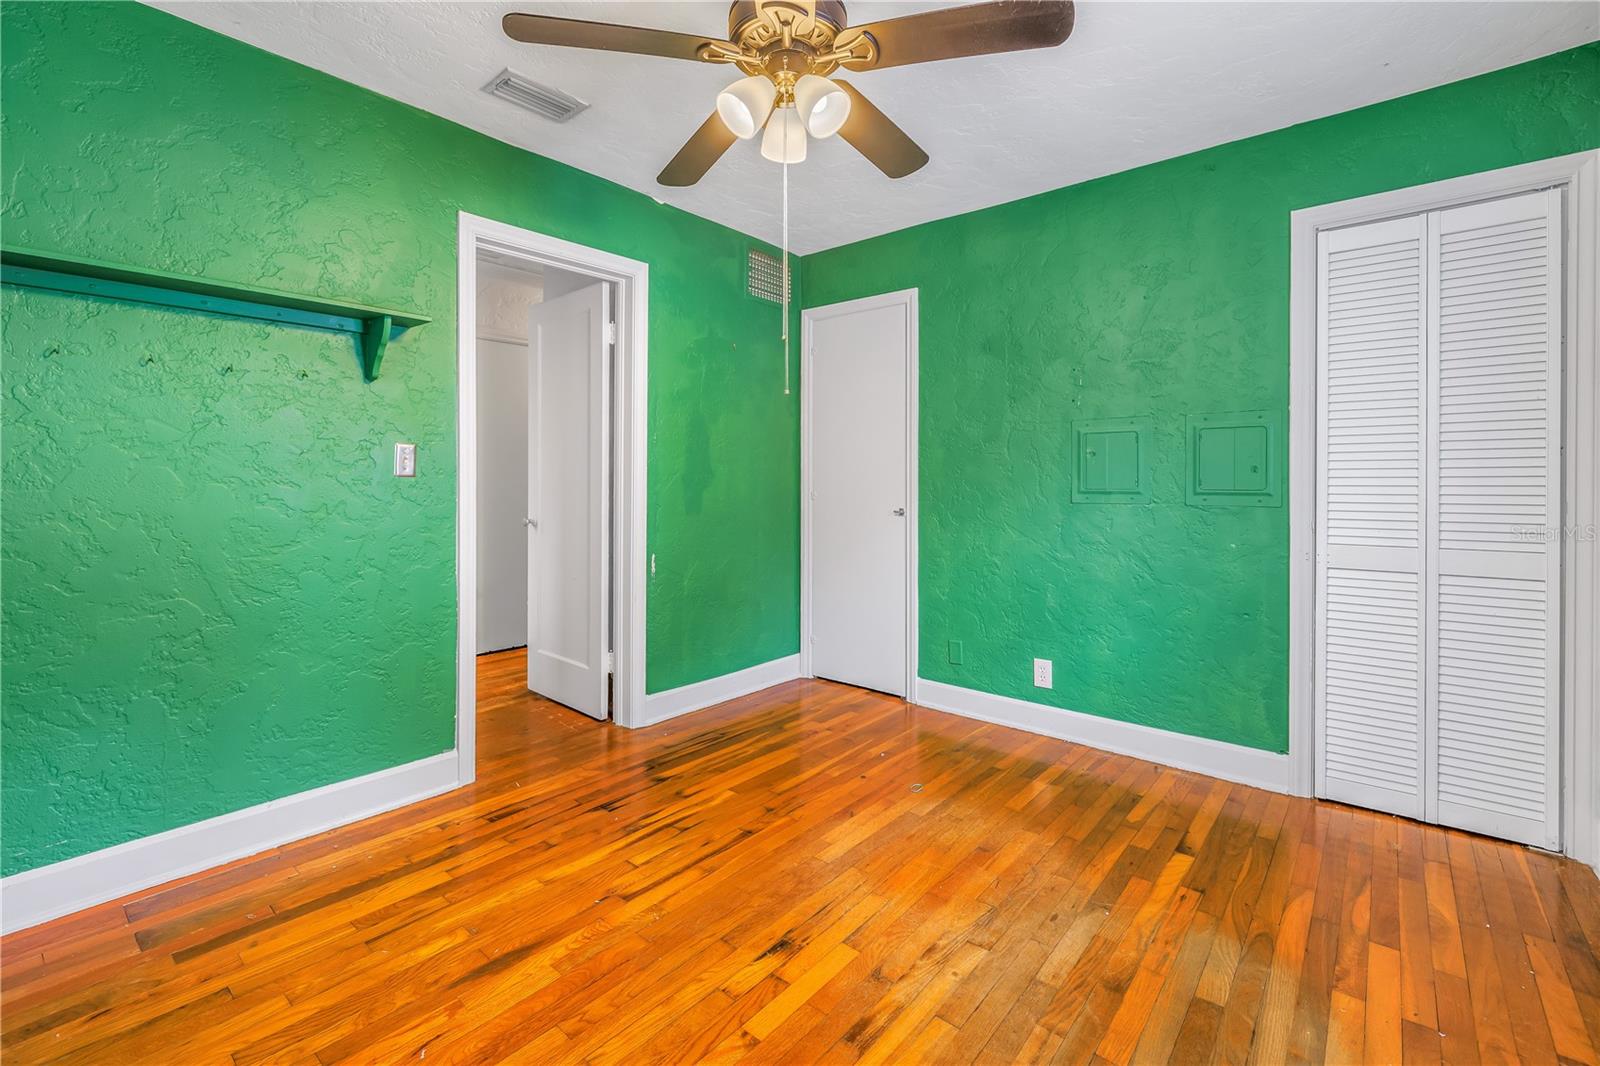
786 279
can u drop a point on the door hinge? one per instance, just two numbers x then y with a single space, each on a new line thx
611 333
611 662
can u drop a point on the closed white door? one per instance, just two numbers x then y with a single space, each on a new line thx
1495 575
503 496
859 370
568 506
1372 344
1439 504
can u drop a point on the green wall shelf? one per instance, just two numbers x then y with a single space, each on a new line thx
373 327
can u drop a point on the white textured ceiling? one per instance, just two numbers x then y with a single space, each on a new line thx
1136 82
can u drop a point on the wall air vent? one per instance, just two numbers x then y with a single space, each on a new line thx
766 276
552 104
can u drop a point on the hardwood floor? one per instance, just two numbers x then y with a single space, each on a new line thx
816 874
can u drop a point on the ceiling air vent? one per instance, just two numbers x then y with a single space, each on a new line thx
553 104
765 277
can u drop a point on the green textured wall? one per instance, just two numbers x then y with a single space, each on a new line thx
214 593
1159 292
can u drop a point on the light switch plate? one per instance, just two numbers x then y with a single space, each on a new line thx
405 460
1043 673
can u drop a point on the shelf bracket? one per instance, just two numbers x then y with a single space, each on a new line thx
374 341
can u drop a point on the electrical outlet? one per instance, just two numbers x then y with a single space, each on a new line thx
405 460
1043 673
955 652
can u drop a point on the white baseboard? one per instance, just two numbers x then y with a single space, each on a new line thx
48 892
1231 762
659 706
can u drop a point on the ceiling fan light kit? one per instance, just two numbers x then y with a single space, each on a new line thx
822 105
745 105
785 139
787 49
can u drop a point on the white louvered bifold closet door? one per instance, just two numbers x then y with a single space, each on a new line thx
1439 419
1372 331
1496 505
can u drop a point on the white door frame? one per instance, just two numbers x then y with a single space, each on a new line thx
906 299
1579 174
629 452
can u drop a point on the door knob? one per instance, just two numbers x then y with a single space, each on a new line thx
530 523
899 511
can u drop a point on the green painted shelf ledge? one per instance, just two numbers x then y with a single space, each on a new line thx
373 327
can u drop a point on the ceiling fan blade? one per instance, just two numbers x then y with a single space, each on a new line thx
871 133
698 153
576 33
953 32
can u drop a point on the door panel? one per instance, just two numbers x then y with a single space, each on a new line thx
1369 527
568 506
1497 412
859 368
502 512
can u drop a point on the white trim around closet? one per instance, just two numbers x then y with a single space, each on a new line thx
1578 174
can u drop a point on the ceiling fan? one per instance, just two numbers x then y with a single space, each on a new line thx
787 49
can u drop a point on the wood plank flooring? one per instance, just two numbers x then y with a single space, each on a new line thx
816 874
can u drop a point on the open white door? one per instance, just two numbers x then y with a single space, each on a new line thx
568 503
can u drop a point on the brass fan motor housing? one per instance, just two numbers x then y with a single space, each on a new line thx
786 39
820 20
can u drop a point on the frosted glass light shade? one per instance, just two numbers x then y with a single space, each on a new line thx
822 105
785 139
745 105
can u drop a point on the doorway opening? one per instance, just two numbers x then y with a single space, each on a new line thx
508 290
550 514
